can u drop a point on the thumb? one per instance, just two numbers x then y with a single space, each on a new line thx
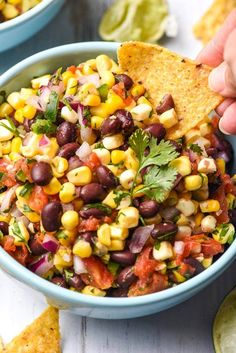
221 81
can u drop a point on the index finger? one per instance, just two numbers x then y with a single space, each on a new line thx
213 53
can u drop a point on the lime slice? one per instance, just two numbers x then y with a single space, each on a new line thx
224 327
143 20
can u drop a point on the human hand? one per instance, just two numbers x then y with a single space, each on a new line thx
220 53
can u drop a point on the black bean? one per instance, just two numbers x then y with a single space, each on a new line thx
68 150
74 162
156 130
92 212
88 236
106 177
126 277
59 281
118 292
74 281
51 216
111 126
35 245
166 103
4 227
66 133
169 213
148 208
27 124
128 82
164 229
41 173
211 151
93 192
232 216
124 258
126 120
176 145
194 263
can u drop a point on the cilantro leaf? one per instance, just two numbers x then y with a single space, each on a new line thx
139 141
195 148
103 91
26 190
52 106
158 182
100 206
119 196
42 126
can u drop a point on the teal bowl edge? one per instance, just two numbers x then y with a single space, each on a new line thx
139 306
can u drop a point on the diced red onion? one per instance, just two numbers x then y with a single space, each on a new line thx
192 156
33 101
79 266
179 247
139 238
67 207
42 265
44 97
84 151
50 243
44 141
59 89
8 198
16 212
94 78
85 131
24 220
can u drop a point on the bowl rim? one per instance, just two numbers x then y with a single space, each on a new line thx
24 275
34 11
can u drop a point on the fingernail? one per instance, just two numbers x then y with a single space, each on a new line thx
222 128
217 78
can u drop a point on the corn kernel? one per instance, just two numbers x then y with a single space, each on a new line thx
196 206
183 220
67 192
141 112
230 198
114 102
80 176
109 200
9 11
205 129
172 198
143 100
72 86
192 182
208 224
59 166
207 166
5 109
66 76
15 100
63 258
186 207
26 93
112 142
92 100
96 122
19 115
36 83
87 70
221 165
102 110
192 135
108 78
103 63
198 219
114 169
137 90
53 187
183 165
5 134
82 249
70 220
92 63
78 204
117 245
207 262
127 178
32 216
90 290
66 237
137 192
164 252
117 156
103 154
29 112
210 206
104 234
117 232
19 232
178 277
16 145
128 217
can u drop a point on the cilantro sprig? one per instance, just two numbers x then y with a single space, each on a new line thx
160 179
12 128
196 148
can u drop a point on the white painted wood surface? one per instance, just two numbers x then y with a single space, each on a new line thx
183 329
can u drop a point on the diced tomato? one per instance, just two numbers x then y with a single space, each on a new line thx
185 269
8 243
119 89
211 247
21 254
98 275
91 224
38 199
128 100
219 195
155 283
21 164
72 69
8 169
215 121
191 247
93 161
145 265
228 184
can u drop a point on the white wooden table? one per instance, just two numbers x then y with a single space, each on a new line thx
183 329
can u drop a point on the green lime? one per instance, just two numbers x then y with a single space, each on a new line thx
142 20
224 327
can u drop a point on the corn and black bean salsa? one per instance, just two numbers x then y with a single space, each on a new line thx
10 9
96 199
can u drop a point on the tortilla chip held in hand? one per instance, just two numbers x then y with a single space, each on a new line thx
164 72
42 336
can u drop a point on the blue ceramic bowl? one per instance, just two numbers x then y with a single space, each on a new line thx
105 308
19 29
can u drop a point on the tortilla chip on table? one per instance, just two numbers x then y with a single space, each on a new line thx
162 71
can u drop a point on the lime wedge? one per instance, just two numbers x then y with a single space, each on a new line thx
142 20
224 327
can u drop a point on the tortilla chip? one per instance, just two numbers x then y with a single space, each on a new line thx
162 72
213 19
1 345
42 336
